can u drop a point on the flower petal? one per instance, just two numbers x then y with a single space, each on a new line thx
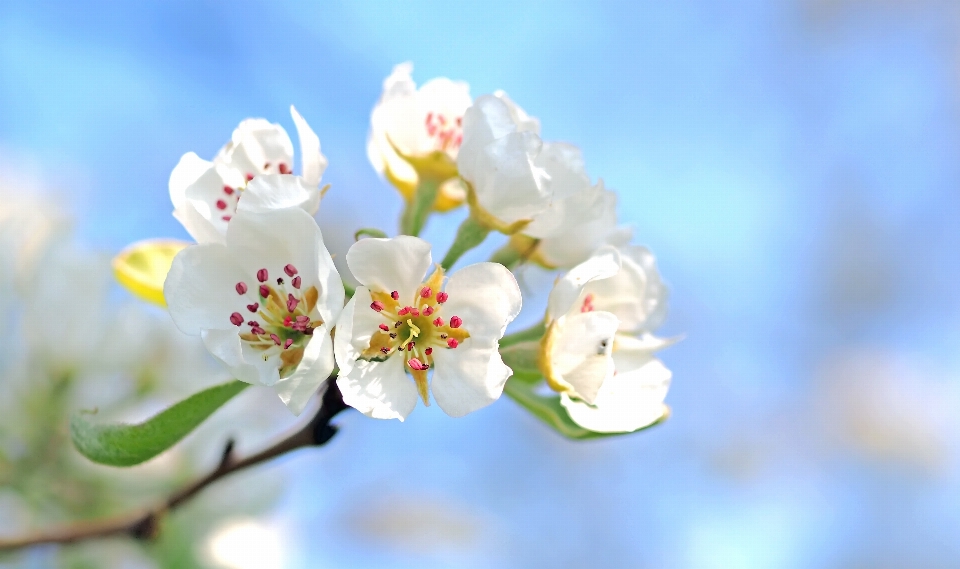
399 263
269 192
255 144
507 183
185 173
199 289
468 378
224 345
604 264
272 239
486 296
636 294
380 390
626 402
317 363
312 162
581 354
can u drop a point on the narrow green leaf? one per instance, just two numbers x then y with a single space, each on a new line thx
127 445
549 410
368 232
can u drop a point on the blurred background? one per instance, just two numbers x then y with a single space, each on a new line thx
795 166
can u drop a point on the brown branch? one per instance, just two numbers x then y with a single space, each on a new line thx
145 525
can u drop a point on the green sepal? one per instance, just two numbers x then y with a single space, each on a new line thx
127 445
548 409
523 358
419 208
470 234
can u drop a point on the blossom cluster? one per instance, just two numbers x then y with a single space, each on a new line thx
260 288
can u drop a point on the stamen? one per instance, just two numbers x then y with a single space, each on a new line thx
452 343
376 305
416 364
227 217
292 303
264 291
236 319
283 168
393 335
253 307
442 297
395 295
263 275
288 343
252 323
275 338
403 311
241 287
280 281
438 321
428 351
249 177
410 345
290 270
455 322
296 282
398 324
414 312
428 311
287 321
228 190
384 327
221 204
385 350
425 292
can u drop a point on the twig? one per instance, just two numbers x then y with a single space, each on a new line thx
145 525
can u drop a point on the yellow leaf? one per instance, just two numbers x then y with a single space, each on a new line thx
143 266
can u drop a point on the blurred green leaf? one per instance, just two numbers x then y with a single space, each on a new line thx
127 445
549 410
368 232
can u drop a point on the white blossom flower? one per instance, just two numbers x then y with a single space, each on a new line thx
264 302
206 195
498 158
415 129
397 323
581 218
598 350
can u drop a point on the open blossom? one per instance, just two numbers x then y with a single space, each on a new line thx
412 127
498 158
206 195
397 323
581 218
264 301
599 348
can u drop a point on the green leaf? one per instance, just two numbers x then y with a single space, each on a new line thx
368 232
127 445
549 410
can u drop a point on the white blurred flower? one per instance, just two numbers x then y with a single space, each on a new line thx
396 323
244 543
598 350
206 195
412 127
264 302
498 158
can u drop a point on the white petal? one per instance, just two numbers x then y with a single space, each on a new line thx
468 377
197 225
188 169
200 288
626 402
582 350
636 294
486 296
254 144
295 391
272 239
277 191
362 323
578 237
344 350
398 263
380 390
224 345
507 183
518 115
313 162
485 121
604 264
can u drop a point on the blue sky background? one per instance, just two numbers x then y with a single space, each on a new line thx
793 164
